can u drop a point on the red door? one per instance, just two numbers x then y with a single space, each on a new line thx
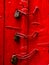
39 24
26 34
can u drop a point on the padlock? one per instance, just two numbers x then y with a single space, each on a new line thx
17 38
17 14
14 59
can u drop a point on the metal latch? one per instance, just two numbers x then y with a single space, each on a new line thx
20 35
31 53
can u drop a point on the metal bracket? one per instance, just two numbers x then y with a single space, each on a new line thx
35 23
33 35
23 7
36 9
33 52
12 28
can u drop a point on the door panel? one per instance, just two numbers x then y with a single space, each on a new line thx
38 19
31 44
14 26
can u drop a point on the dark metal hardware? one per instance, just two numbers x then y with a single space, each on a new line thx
17 14
14 59
17 38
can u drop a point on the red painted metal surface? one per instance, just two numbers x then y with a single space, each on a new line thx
1 30
26 32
